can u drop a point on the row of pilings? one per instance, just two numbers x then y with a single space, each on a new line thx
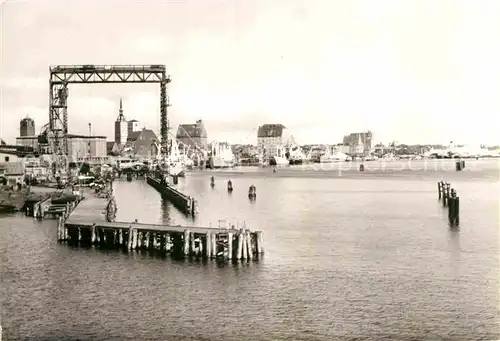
451 200
234 244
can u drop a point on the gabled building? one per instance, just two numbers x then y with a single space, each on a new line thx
113 148
270 138
193 135
358 144
144 144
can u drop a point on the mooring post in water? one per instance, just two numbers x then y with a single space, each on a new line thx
439 190
457 210
451 207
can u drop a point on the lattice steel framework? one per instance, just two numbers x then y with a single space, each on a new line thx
63 75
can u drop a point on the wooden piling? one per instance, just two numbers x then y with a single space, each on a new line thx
59 229
230 246
439 190
193 245
451 207
129 238
208 245
239 252
213 246
457 210
186 242
260 240
249 245
244 246
92 234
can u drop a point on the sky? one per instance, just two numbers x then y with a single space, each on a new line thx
421 71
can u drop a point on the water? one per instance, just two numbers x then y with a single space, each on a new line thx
349 256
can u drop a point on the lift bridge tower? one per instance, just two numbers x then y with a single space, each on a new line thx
63 75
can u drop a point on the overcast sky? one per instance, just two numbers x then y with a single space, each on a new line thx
411 71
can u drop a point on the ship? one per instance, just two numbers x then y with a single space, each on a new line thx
334 156
221 156
295 154
280 158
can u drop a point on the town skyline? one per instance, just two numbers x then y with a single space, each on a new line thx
414 72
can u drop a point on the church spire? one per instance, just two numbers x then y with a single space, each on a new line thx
120 113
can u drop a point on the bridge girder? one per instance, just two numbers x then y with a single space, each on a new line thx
63 75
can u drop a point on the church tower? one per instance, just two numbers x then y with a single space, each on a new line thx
121 127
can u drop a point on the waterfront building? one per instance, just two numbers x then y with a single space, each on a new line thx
143 144
13 172
87 148
27 127
270 140
357 144
121 127
193 135
8 156
28 141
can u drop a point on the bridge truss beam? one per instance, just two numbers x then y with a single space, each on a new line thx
63 75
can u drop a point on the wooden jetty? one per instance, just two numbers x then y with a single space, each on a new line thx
183 202
85 226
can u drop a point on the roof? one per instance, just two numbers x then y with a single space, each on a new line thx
33 137
133 121
145 134
271 130
9 152
85 136
355 137
191 130
2 142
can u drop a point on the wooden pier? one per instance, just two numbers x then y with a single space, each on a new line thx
183 202
87 226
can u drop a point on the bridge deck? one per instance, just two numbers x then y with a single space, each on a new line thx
91 211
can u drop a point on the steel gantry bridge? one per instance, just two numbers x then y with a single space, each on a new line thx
63 75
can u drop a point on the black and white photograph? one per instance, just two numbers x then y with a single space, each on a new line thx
249 170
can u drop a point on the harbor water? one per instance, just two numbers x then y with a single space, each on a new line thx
349 255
